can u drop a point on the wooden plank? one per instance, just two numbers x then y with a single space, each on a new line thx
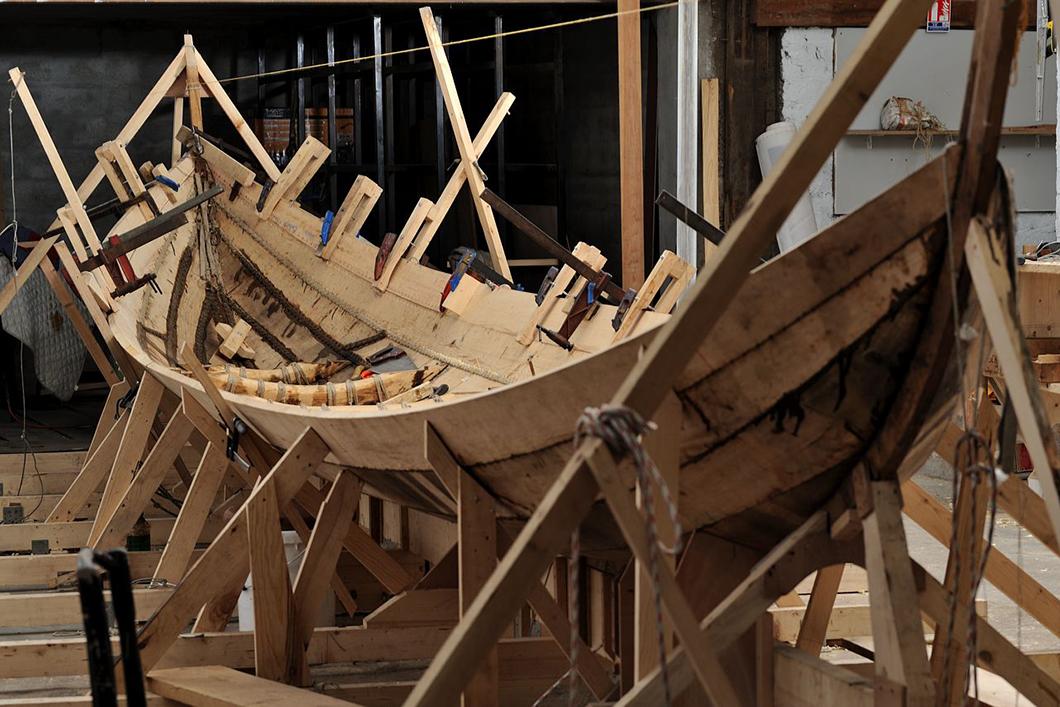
218 686
439 606
477 555
39 609
220 160
18 79
191 74
765 659
26 572
711 148
142 487
25 270
996 299
92 475
825 13
630 144
178 123
819 609
130 451
274 638
1002 572
901 656
994 652
225 564
230 346
84 331
307 160
319 561
192 516
801 680
468 156
19 537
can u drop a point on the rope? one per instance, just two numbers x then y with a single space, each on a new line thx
621 429
451 43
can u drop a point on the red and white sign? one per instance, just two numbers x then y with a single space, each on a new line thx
939 16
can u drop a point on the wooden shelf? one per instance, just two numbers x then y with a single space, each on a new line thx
1014 130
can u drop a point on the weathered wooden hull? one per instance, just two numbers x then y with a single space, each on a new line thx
777 406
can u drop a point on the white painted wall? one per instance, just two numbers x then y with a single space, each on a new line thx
806 70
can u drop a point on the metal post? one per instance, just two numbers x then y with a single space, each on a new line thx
498 88
380 157
299 61
439 121
333 142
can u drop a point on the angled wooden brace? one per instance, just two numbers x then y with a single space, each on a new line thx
814 627
572 494
352 214
142 486
468 157
92 474
216 615
191 82
670 268
318 564
147 106
192 516
225 563
427 217
107 421
122 174
37 255
134 441
592 257
310 157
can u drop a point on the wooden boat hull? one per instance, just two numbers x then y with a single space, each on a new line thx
777 406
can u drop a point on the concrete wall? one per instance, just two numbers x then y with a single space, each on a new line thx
806 68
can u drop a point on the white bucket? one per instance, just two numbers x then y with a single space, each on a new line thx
801 224
293 549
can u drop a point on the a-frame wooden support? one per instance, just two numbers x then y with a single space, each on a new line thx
464 143
570 497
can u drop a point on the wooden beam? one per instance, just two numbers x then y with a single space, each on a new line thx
178 123
218 686
801 680
994 289
145 483
191 73
274 637
826 13
468 156
38 609
130 451
819 609
92 475
630 144
226 562
24 270
318 563
901 656
192 516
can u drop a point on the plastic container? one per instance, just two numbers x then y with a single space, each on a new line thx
801 224
293 549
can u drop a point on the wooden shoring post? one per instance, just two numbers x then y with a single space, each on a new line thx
1002 572
898 634
109 417
191 518
130 452
352 214
417 218
990 276
84 331
274 638
143 485
996 654
224 565
630 144
571 495
949 658
810 547
468 156
476 551
819 609
664 446
318 564
552 615
626 614
422 239
92 474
